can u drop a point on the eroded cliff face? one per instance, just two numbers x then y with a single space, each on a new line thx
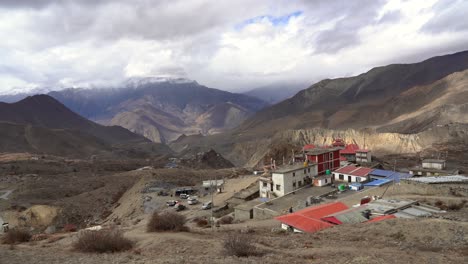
252 153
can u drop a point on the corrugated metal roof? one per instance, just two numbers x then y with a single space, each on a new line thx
382 173
332 219
308 219
441 179
303 223
362 171
318 151
355 171
347 169
380 218
349 149
323 210
308 146
377 182
351 218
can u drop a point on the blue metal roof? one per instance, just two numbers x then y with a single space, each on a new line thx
377 182
382 173
398 175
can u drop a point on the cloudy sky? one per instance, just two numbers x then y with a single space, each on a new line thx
231 45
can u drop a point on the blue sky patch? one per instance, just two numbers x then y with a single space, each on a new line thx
276 21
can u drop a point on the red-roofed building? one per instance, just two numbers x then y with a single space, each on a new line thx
308 146
323 210
309 219
300 223
349 152
338 142
351 173
326 158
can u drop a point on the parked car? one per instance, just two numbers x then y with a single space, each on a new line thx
184 196
207 205
179 207
192 200
163 193
171 203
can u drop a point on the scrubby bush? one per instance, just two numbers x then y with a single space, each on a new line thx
168 221
240 245
453 206
69 228
456 206
14 236
102 241
226 220
201 222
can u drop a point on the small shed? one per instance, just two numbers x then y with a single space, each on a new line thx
356 186
323 180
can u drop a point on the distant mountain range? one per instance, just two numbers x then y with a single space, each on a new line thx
41 124
277 92
162 109
424 103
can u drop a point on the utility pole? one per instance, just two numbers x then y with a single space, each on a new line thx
212 204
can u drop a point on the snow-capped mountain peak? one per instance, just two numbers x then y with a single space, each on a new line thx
139 81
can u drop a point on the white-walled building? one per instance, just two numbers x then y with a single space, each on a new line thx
323 180
363 156
433 164
287 179
352 173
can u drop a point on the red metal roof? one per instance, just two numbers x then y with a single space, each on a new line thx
380 218
338 142
323 210
309 146
363 171
346 169
303 223
308 219
355 171
332 219
349 149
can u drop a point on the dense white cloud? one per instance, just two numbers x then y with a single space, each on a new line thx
232 45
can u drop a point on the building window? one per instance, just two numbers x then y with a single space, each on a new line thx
326 181
341 177
265 184
309 170
294 184
305 171
294 174
331 155
358 179
300 183
278 187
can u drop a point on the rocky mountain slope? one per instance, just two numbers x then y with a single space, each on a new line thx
41 124
162 109
404 108
381 98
